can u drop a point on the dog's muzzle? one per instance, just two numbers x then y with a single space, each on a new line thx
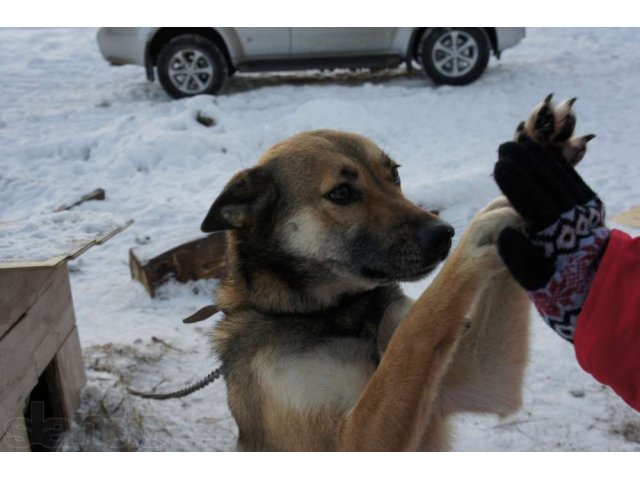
435 238
414 253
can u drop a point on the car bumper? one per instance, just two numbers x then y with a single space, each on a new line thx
121 46
508 37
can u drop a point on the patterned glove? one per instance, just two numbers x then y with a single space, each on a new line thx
556 258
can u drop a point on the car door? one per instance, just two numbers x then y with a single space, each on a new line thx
264 42
347 41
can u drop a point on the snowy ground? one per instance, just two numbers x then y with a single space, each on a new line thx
70 123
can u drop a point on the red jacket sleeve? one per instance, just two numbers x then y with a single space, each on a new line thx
607 336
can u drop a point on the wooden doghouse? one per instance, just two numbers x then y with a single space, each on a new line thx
183 259
41 365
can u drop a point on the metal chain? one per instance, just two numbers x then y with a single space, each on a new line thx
212 377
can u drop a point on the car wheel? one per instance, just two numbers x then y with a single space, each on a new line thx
191 65
454 56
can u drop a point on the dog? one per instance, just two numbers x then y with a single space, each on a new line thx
320 348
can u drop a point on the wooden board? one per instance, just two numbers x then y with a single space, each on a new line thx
630 218
19 290
69 376
201 258
15 439
31 344
58 260
14 403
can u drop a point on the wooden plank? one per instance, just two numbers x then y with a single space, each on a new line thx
13 405
97 194
19 290
630 218
201 258
31 344
70 376
15 438
52 262
58 260
99 240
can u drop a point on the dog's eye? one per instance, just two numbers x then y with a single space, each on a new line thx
394 174
343 195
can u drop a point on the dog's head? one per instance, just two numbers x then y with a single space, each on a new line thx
330 203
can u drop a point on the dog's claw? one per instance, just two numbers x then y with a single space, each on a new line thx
565 121
541 124
551 125
521 134
574 149
567 105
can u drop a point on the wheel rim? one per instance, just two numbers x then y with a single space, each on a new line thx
190 71
455 53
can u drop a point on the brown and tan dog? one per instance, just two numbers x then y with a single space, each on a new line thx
321 349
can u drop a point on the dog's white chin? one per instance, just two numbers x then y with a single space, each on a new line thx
383 278
328 293
418 276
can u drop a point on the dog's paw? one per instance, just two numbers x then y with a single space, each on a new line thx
490 221
553 126
478 247
476 259
496 203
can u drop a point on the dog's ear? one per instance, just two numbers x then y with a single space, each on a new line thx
247 193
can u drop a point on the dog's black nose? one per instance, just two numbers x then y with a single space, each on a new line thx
435 237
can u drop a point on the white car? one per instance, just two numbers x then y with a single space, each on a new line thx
191 61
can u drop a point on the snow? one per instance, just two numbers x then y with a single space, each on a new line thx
43 236
70 123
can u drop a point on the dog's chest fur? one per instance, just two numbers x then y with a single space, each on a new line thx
299 363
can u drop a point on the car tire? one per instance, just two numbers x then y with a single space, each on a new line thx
454 56
191 65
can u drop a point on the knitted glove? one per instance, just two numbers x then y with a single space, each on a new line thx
556 258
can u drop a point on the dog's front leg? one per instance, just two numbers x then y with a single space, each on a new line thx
488 366
395 408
